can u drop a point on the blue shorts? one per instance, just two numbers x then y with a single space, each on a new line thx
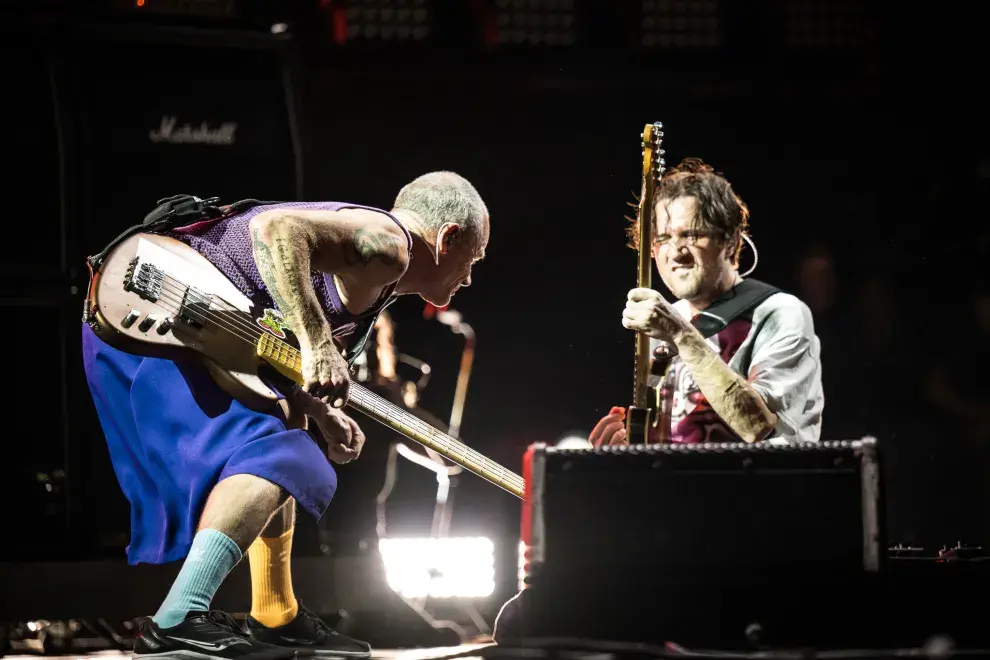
173 434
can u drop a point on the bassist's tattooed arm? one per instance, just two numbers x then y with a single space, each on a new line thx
283 259
365 249
368 246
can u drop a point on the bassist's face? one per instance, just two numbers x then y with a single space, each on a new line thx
457 253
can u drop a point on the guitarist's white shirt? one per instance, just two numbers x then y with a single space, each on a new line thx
776 349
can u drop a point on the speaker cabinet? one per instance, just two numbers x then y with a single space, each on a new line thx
161 111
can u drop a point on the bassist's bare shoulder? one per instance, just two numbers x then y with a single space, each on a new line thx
351 243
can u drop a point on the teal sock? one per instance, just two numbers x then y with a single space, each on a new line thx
210 558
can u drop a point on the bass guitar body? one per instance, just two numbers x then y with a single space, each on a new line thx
141 304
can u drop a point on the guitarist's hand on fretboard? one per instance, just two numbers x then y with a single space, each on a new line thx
647 312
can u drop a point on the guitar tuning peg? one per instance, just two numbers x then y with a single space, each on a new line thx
662 152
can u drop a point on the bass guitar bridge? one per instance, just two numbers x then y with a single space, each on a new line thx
144 279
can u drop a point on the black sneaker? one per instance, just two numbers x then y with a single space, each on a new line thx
309 635
203 635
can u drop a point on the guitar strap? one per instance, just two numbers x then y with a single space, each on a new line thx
741 299
175 212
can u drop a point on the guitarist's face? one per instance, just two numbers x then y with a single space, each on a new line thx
692 261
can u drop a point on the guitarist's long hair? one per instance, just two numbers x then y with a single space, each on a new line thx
720 209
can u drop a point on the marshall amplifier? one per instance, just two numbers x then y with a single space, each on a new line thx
711 543
161 110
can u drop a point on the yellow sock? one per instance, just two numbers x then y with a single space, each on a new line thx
273 603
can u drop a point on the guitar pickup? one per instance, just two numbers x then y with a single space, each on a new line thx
195 308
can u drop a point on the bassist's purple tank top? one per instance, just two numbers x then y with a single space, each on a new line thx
227 244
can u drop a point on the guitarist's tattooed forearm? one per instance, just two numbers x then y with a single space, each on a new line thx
728 393
284 266
368 246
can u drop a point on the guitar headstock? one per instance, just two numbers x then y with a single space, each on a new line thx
654 164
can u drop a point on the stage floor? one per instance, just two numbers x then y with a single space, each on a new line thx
377 654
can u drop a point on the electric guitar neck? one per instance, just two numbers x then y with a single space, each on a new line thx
642 414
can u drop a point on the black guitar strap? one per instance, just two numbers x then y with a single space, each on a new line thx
740 300
174 212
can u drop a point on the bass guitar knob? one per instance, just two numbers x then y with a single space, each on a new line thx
131 317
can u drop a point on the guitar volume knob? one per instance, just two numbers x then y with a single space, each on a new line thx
131 317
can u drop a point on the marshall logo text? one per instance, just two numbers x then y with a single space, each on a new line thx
171 131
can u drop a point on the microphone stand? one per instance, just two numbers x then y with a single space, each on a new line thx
445 491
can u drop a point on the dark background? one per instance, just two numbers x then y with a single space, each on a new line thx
850 128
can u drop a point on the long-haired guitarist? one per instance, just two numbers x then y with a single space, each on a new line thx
210 480
747 364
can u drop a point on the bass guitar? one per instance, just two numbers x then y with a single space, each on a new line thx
155 296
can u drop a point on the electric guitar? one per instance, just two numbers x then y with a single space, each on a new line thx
155 296
649 370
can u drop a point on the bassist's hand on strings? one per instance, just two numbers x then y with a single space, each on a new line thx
343 435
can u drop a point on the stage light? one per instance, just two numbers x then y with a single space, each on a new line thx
680 24
573 440
536 22
386 20
439 568
833 24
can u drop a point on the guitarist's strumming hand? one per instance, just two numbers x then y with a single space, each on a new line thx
647 312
